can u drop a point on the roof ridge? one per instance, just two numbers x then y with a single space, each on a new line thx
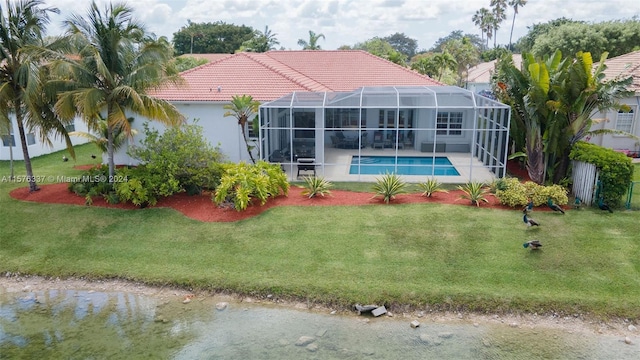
279 70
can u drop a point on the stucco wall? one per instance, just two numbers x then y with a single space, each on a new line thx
607 120
38 148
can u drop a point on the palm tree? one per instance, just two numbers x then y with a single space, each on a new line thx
119 63
498 8
22 76
515 4
100 138
261 42
313 41
443 62
242 108
479 20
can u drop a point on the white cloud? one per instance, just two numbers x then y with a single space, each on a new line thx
346 22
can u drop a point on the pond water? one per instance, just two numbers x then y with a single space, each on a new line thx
82 324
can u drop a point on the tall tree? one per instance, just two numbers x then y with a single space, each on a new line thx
379 47
465 54
261 42
402 44
553 101
22 24
243 108
206 38
312 44
498 10
515 4
480 19
526 43
475 40
117 67
444 61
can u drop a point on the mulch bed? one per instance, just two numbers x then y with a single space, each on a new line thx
202 208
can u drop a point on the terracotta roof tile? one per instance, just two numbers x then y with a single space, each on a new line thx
269 76
624 66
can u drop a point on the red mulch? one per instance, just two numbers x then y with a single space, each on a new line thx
202 208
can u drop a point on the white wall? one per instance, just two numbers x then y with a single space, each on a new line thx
218 130
38 148
607 120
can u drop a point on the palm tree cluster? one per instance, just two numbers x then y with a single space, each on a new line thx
489 20
101 70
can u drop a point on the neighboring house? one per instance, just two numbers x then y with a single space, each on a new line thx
479 76
622 66
276 74
36 147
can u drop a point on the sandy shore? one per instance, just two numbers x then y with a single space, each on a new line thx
624 328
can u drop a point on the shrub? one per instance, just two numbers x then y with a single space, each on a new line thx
388 186
95 182
142 188
615 169
475 192
242 182
180 159
511 192
431 186
316 186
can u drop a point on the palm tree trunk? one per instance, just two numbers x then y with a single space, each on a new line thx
11 172
535 161
246 142
25 150
513 22
110 149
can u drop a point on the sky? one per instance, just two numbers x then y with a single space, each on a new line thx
347 22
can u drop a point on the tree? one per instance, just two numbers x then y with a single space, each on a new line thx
481 19
118 65
444 61
402 44
261 42
553 101
383 49
313 41
498 10
208 38
475 40
616 38
525 43
243 108
21 75
515 4
465 54
425 65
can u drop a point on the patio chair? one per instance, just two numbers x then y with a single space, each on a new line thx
306 164
378 140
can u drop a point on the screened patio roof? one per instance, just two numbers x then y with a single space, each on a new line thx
387 97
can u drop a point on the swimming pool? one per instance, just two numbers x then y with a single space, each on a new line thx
406 165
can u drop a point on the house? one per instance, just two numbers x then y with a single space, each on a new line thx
479 76
10 141
623 66
303 75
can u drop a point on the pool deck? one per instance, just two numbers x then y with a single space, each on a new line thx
338 161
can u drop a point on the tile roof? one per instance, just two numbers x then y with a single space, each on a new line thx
271 75
482 72
624 66
208 57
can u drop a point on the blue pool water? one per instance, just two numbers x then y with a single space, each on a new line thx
406 165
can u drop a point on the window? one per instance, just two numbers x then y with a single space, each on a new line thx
250 132
31 139
624 121
449 123
8 140
70 127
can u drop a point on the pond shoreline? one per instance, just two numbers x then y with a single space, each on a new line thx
625 328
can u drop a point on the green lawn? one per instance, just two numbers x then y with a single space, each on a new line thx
445 256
